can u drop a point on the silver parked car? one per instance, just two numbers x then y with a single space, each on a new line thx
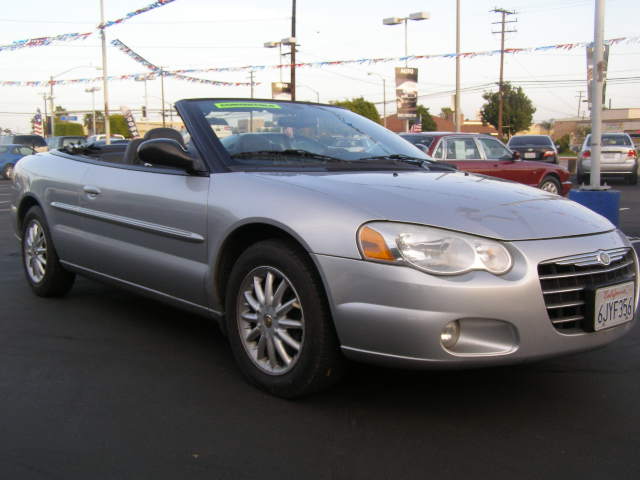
619 158
307 252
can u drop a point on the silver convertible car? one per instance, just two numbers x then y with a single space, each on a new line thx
307 252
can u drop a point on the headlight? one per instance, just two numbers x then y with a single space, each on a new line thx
436 251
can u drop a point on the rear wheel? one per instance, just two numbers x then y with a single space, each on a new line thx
550 184
278 322
633 178
46 276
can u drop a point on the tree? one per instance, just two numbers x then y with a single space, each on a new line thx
564 144
424 117
548 125
60 111
117 123
360 106
446 113
68 128
517 112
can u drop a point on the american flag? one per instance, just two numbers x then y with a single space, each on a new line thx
416 128
36 123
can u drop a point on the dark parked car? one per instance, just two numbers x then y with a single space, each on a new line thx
34 141
534 147
478 153
56 143
9 156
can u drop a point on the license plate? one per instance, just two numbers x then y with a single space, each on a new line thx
530 155
613 305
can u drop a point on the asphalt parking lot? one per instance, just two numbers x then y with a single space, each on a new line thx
107 385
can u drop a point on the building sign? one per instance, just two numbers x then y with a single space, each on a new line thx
131 123
407 92
281 91
605 58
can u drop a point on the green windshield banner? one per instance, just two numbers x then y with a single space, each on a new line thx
247 105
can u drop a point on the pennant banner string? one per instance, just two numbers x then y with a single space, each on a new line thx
70 37
179 74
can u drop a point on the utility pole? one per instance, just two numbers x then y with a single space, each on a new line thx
105 86
596 93
456 105
503 21
579 97
293 51
45 123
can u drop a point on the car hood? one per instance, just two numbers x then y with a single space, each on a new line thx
457 201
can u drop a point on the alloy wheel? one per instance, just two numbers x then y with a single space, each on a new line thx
35 251
550 187
270 320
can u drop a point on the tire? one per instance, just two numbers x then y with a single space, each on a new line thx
550 184
7 171
46 276
633 178
260 342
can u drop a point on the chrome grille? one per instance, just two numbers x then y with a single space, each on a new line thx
564 280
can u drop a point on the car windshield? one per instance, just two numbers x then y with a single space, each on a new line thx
530 141
612 141
425 140
276 134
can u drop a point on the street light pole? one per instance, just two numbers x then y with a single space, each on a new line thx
93 91
105 86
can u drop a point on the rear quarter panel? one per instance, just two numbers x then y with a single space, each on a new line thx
48 178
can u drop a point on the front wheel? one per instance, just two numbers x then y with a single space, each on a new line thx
550 184
278 322
46 276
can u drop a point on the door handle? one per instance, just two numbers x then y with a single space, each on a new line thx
91 190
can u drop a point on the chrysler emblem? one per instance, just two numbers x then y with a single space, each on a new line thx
603 258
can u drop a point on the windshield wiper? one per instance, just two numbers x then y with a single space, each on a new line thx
420 162
430 165
288 153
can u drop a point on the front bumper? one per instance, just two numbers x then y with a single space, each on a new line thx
393 315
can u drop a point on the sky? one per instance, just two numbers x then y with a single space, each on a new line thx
212 33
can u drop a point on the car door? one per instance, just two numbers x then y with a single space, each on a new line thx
463 152
147 226
503 165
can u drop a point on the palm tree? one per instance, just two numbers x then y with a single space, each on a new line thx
547 125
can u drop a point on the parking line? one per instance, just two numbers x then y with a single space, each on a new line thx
624 209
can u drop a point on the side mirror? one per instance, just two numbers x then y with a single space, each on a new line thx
515 156
165 152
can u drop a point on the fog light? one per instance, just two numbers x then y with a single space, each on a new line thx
450 334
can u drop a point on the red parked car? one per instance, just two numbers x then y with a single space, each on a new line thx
483 154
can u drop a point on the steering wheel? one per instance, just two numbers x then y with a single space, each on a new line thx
306 143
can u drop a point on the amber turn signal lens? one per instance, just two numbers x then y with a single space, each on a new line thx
373 245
